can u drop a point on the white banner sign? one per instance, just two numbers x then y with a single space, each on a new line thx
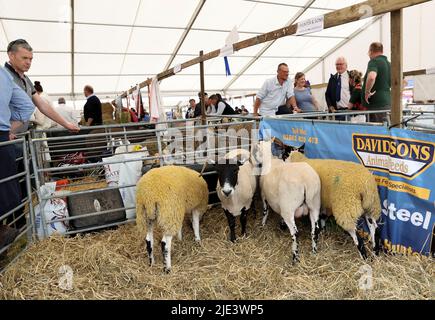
226 51
311 25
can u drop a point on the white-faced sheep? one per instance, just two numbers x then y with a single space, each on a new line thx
291 190
164 195
350 192
236 187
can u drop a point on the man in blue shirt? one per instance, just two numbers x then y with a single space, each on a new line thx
20 55
15 107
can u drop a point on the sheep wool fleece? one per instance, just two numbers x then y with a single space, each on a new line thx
165 194
348 189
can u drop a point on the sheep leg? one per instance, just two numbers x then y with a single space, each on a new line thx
372 227
166 251
322 218
243 220
282 225
195 224
359 243
254 212
265 212
150 241
232 224
289 218
180 234
315 230
378 241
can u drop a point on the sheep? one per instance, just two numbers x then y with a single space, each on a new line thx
164 195
235 188
291 190
349 191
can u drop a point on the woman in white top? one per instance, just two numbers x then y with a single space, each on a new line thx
42 121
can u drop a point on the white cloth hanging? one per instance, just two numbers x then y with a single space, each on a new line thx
156 103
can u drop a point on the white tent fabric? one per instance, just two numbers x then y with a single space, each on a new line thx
119 44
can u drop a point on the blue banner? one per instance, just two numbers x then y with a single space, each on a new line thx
401 160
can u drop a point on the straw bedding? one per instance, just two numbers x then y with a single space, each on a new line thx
113 265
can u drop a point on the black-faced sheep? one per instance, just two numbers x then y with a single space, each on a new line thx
236 188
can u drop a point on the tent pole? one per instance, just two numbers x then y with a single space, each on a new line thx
201 72
396 66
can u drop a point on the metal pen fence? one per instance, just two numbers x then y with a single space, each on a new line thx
77 157
18 220
78 163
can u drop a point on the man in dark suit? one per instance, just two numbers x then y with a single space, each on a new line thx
92 108
339 89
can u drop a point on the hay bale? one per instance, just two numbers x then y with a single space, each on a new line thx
114 265
107 111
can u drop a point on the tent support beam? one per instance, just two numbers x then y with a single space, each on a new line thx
101 24
267 46
332 19
201 74
396 66
341 44
185 33
72 52
287 5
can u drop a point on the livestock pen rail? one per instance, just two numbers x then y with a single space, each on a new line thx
94 174
17 215
77 177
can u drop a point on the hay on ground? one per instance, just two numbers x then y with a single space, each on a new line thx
113 265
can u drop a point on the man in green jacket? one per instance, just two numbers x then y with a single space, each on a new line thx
377 83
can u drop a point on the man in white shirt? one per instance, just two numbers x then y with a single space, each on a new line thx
275 92
65 111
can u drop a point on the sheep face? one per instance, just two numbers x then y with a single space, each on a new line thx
228 174
288 150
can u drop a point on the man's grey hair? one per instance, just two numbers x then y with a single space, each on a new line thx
342 59
17 44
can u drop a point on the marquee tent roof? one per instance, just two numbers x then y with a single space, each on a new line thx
118 44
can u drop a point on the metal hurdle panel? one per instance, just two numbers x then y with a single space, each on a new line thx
20 217
96 142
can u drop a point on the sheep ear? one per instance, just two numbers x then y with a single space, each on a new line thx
301 149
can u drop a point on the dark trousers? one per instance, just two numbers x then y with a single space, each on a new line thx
10 193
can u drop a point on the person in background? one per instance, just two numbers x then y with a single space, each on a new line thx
221 106
65 111
92 109
193 110
146 117
275 92
307 84
377 83
198 105
20 55
244 111
339 89
41 121
355 102
237 110
16 108
304 99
